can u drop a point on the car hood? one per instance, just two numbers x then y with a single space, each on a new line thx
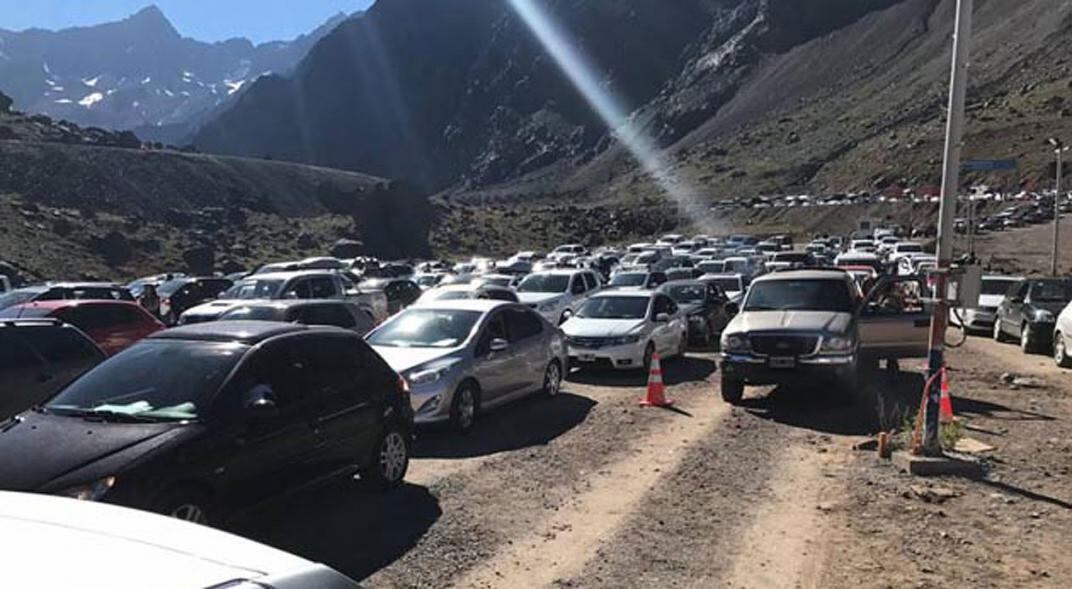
42 448
403 359
753 321
216 308
535 298
581 327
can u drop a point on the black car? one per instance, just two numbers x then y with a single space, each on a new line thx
38 357
334 313
400 292
204 421
180 294
65 291
1029 311
703 303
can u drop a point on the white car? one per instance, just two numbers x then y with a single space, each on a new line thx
623 329
104 546
556 294
670 239
982 317
570 251
1062 338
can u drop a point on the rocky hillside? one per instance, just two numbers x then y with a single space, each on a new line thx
748 96
77 202
138 73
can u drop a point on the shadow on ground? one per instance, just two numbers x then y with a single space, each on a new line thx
675 371
345 525
534 421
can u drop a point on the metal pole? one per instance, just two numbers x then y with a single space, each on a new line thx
971 227
1056 213
958 88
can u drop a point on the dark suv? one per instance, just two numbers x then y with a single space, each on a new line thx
180 294
1029 311
38 357
203 421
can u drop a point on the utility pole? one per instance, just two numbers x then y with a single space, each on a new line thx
1058 148
958 89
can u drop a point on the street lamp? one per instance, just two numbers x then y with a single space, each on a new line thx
1058 149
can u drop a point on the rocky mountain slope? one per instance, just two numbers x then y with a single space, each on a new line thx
138 73
747 96
83 203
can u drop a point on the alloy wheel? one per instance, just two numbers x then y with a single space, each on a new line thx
191 513
393 457
466 407
552 380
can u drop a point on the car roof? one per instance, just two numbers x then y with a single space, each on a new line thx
645 294
561 271
480 305
289 275
96 540
68 303
248 332
832 274
84 285
288 303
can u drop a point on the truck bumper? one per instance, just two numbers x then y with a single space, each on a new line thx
758 371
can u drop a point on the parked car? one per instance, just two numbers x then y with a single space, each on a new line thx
38 357
622 329
464 357
786 260
112 325
330 312
5 283
1029 310
180 294
731 285
711 267
467 291
683 273
704 306
427 280
637 280
308 284
804 325
98 542
65 291
205 421
556 294
981 318
400 292
568 251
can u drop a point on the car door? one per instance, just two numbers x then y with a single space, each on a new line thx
893 321
264 453
526 331
496 371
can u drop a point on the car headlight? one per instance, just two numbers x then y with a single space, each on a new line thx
735 343
1042 315
92 492
428 375
837 343
625 339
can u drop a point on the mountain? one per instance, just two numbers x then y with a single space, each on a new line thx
745 96
138 73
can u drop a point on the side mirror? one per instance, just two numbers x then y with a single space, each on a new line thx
732 308
499 345
261 404
662 318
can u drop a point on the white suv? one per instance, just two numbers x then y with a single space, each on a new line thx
556 294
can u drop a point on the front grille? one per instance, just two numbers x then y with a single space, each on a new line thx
593 343
784 345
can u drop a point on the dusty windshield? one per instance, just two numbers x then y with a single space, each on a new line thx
799 295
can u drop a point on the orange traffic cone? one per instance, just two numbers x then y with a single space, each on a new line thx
656 391
945 404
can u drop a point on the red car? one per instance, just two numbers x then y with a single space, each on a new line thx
112 325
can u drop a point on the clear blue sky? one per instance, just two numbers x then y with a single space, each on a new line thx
205 20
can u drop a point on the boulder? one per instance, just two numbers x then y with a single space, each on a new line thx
114 247
200 260
346 248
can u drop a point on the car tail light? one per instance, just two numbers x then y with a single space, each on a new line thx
403 384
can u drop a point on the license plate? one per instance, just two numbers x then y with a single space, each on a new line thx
789 362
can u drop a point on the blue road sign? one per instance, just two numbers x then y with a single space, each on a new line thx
989 165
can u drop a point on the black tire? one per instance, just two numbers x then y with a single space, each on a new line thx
999 333
389 462
465 407
189 505
552 379
732 389
1060 351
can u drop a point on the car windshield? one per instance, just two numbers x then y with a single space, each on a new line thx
169 380
614 308
629 279
544 283
426 328
26 311
1051 291
728 284
254 288
253 314
17 297
909 248
171 287
687 293
799 295
996 287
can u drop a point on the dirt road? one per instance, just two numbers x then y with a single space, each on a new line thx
590 490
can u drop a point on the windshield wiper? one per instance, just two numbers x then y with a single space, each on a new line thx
109 416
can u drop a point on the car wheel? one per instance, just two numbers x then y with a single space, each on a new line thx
732 389
999 334
465 407
1060 352
390 460
1027 339
552 379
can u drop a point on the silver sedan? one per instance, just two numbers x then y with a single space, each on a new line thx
462 357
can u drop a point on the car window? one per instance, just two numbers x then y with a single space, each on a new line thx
663 304
15 354
523 324
577 286
590 281
322 287
66 352
335 369
299 289
494 329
